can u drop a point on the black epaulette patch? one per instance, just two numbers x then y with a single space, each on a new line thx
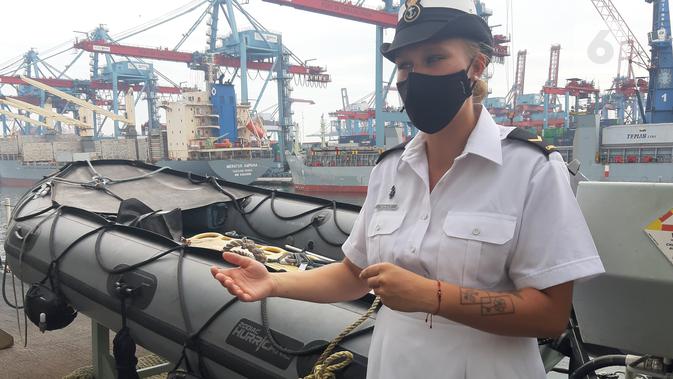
391 150
527 137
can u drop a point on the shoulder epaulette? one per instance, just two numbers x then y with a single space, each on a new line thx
391 150
532 139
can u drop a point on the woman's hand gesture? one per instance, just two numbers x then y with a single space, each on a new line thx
250 281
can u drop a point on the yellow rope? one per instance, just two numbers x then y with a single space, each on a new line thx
326 367
276 256
207 235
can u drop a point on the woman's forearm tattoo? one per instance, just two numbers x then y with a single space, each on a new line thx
491 303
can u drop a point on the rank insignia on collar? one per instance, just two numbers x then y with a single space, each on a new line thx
413 10
392 192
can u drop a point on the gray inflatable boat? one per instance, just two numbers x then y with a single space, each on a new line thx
102 232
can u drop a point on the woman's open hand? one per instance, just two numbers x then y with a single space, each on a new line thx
250 281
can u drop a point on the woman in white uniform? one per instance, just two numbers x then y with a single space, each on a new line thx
466 223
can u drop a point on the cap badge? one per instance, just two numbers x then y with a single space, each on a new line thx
413 10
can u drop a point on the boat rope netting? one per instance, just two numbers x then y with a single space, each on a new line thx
313 223
86 185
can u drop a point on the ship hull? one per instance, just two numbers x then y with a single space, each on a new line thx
241 171
328 179
630 172
15 174
330 188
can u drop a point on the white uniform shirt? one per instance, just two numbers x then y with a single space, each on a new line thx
502 218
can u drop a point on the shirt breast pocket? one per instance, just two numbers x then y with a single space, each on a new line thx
381 236
484 240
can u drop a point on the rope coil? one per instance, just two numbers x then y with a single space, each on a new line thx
246 248
325 367
328 368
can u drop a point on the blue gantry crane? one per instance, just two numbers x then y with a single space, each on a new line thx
256 49
626 94
660 94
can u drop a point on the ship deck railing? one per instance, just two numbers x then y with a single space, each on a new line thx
215 149
231 153
636 154
345 161
40 164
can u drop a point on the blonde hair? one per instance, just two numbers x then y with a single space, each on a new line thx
475 50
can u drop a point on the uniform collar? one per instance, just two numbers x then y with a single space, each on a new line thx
485 140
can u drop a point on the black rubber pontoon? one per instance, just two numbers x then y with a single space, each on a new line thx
69 223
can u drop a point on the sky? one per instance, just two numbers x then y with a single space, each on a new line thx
347 49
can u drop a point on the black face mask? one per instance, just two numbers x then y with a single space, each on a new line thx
432 102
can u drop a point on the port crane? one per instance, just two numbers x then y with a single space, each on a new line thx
627 88
552 77
519 79
93 90
82 103
84 109
49 115
23 118
381 19
241 50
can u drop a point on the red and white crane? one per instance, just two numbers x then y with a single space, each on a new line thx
312 73
552 78
519 79
345 10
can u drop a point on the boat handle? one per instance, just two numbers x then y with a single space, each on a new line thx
17 233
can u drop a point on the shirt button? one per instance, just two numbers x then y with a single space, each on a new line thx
378 227
425 217
413 250
476 232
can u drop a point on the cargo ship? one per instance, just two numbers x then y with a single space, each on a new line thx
206 133
332 169
25 160
342 167
618 153
624 153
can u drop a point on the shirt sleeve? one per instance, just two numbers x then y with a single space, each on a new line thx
554 243
355 247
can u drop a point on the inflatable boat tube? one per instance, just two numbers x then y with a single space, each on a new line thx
99 229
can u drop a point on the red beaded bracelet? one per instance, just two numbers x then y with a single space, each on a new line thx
439 303
439 296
